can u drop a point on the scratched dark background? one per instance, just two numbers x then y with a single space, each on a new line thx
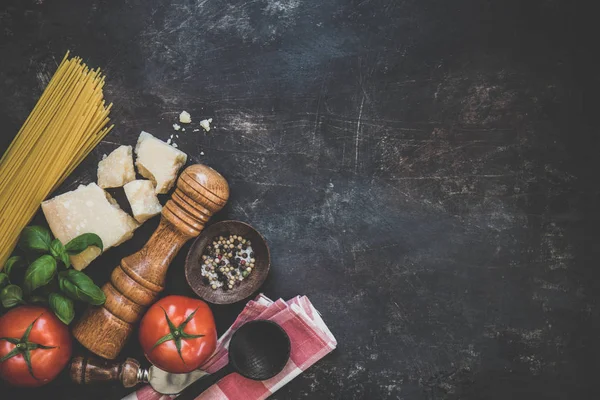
424 170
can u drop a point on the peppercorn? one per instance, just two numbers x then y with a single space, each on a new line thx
228 260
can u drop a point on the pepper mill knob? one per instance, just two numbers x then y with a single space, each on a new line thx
136 283
201 192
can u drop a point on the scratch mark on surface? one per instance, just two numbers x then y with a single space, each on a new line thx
257 142
442 177
109 142
270 184
356 142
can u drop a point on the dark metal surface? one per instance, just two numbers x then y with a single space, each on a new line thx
425 171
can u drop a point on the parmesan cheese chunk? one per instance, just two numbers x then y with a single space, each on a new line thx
185 117
205 124
142 199
88 209
117 169
158 161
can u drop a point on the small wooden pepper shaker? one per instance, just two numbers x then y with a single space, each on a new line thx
89 370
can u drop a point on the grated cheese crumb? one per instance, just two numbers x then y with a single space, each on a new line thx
205 124
176 127
185 117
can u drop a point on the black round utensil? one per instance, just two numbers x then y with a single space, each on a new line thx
258 350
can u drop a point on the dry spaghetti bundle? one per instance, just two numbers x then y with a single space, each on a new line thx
68 121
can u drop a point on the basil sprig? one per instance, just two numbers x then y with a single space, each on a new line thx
59 252
79 286
39 273
49 277
62 307
11 295
82 242
35 239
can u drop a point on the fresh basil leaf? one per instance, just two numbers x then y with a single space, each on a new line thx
39 273
36 239
13 262
79 286
4 281
62 307
59 252
11 295
82 242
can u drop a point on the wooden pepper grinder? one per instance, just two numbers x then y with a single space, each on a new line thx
137 281
91 370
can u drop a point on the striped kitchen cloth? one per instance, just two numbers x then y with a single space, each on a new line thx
310 338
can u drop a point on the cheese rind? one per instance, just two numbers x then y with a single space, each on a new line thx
143 200
117 169
158 161
88 209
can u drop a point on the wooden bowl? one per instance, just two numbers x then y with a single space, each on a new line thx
193 263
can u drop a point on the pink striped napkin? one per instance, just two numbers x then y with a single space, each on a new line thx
310 338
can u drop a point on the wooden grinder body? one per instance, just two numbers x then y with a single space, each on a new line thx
136 283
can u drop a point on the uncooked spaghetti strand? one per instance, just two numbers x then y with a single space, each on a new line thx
20 155
67 122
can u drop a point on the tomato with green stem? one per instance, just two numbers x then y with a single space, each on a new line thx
34 346
178 334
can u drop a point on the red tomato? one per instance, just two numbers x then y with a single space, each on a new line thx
48 344
178 334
